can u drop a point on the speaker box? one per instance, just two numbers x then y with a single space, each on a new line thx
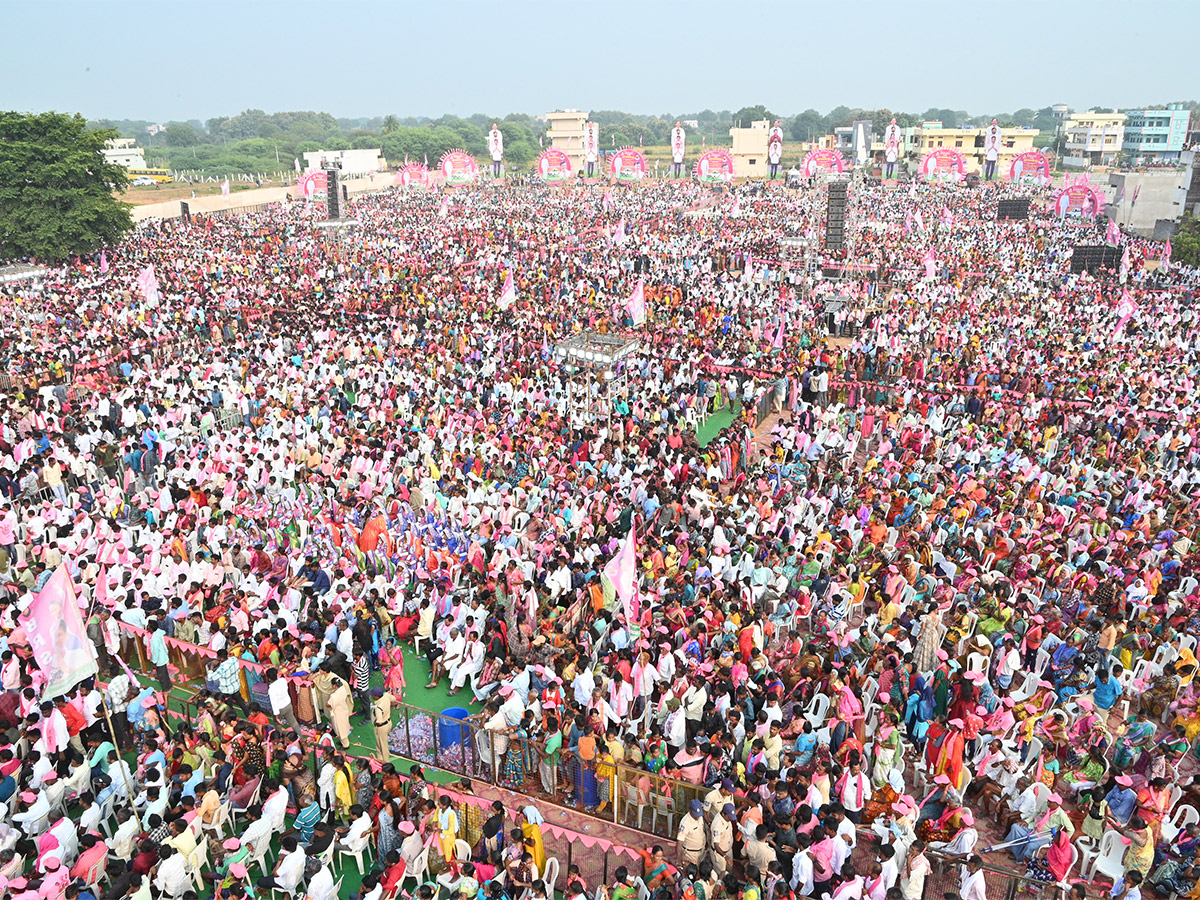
1012 209
333 194
1094 257
186 209
835 215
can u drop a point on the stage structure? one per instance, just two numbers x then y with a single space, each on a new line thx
601 354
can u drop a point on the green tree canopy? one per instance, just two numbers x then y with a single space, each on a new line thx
56 190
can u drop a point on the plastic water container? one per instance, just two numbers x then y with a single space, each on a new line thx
452 730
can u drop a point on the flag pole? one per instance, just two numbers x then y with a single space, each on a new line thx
113 734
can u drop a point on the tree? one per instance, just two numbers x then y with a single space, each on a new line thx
748 114
1185 246
390 124
180 134
56 190
808 126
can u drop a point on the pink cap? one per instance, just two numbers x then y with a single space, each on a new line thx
231 843
237 870
1124 780
941 779
943 655
1055 798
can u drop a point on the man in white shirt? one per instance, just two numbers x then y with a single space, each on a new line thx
171 875
281 700
912 875
289 869
274 808
972 886
320 886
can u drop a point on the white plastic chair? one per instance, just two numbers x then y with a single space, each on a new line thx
633 800
462 850
1043 660
643 892
977 662
1106 859
551 875
1065 884
1164 654
419 867
665 807
357 851
818 710
219 819
1184 816
197 863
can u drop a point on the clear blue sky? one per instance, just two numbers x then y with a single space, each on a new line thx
169 60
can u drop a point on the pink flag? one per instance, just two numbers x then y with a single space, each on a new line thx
103 263
621 572
57 636
621 235
947 216
149 284
908 221
444 208
1137 190
509 294
930 263
637 303
1164 261
736 209
608 200
1124 270
225 188
1125 309
777 344
920 220
1113 234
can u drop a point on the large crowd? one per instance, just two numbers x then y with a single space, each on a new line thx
931 589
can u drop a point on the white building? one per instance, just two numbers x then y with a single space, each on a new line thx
123 152
1092 138
354 162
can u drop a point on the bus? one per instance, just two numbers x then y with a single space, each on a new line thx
160 176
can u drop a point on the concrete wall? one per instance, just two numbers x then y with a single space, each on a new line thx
170 209
1161 195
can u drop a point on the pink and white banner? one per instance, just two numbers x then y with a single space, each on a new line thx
414 175
637 303
621 572
627 166
1077 200
458 167
554 166
148 283
715 167
943 164
816 161
57 635
1032 166
508 294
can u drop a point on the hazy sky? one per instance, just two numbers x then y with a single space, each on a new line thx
169 60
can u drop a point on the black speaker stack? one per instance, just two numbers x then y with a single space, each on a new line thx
1094 257
1012 209
186 209
835 216
333 194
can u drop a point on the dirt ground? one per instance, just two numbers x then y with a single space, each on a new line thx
140 196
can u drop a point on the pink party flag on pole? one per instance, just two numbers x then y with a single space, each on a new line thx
930 263
1164 261
637 303
508 294
1124 270
57 636
621 235
621 572
1125 309
920 220
947 216
444 208
103 263
777 344
149 284
1113 234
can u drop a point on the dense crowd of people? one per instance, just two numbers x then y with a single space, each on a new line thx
931 589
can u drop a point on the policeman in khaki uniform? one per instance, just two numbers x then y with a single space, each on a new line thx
693 836
722 840
381 720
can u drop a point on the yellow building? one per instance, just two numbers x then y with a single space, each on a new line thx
750 149
566 134
969 142
1092 138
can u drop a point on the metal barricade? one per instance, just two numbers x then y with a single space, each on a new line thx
653 803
